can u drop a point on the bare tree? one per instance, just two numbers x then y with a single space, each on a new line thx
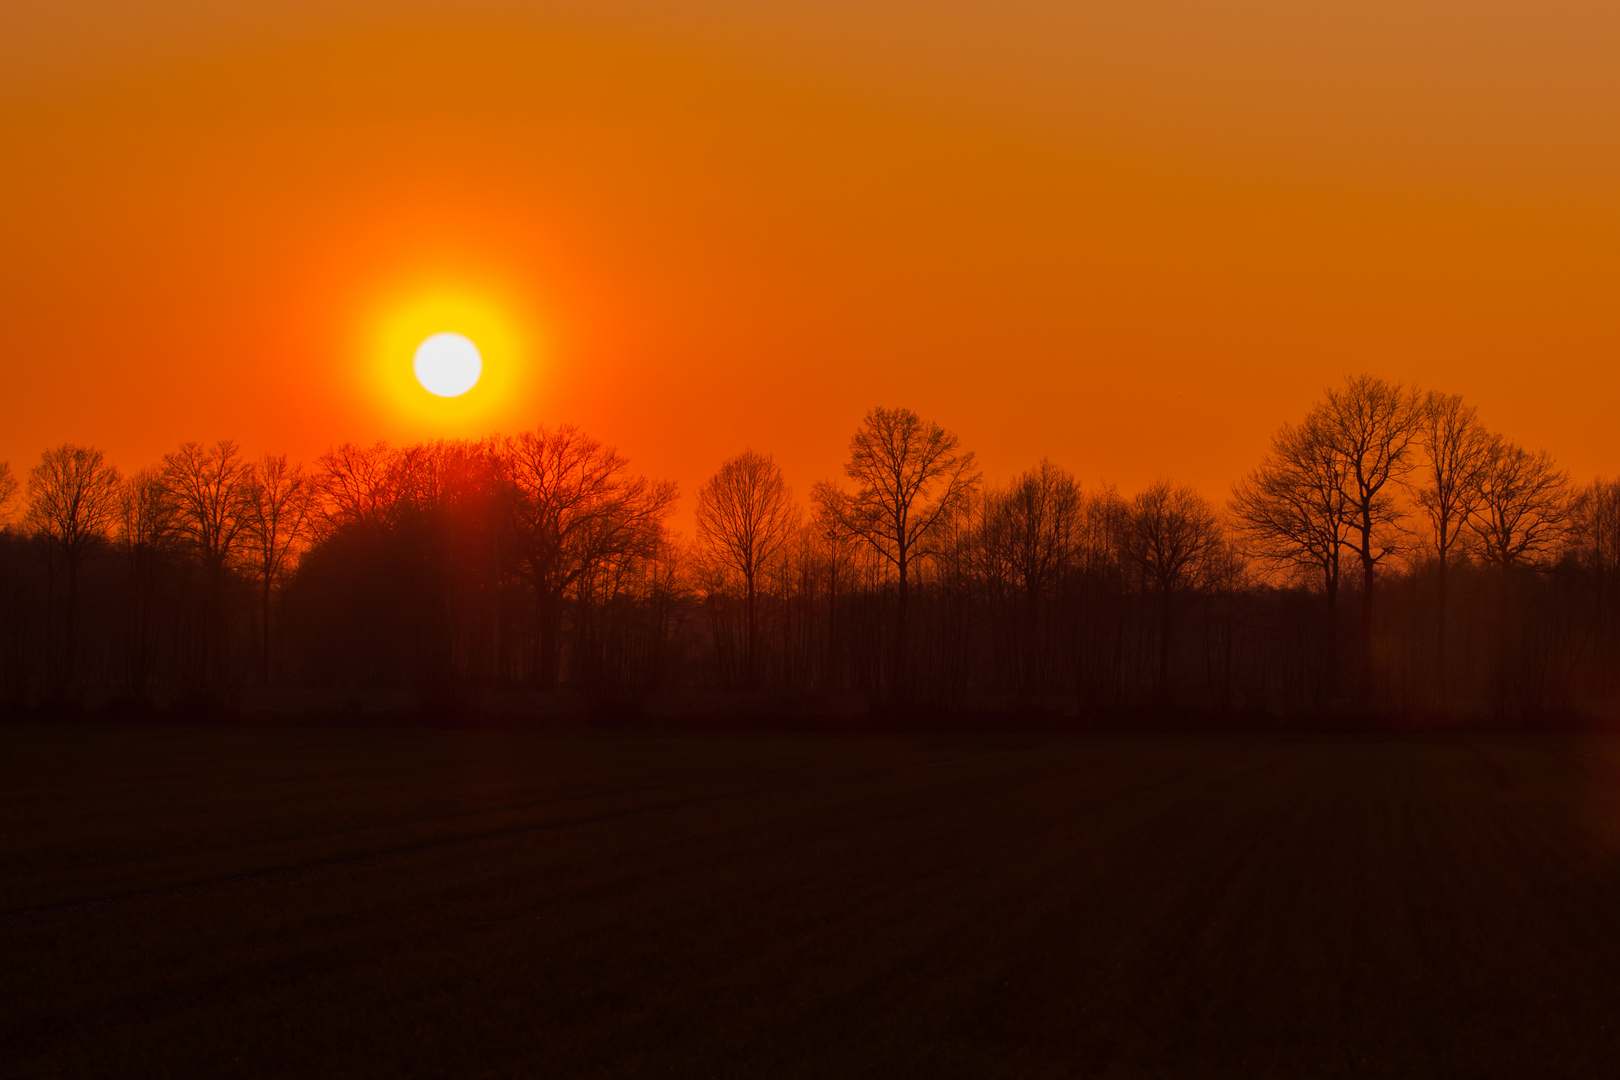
1372 426
1520 524
912 478
8 489
278 501
207 488
447 475
1291 513
1595 523
744 516
1456 452
145 536
1523 506
1595 529
145 516
830 527
1173 539
359 485
1092 594
576 510
72 506
1032 529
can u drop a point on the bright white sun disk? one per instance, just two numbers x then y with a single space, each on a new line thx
448 364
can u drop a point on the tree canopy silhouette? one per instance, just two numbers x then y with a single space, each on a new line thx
911 478
72 506
745 516
455 575
576 509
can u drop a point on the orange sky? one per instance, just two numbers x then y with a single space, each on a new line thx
1134 235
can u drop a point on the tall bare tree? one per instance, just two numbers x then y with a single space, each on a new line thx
1032 528
1456 450
1096 594
8 490
207 489
72 506
1595 529
145 536
277 508
1595 523
577 509
1521 522
912 477
830 528
1523 506
744 516
1174 538
1291 513
1373 427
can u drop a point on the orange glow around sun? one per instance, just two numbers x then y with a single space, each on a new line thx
392 328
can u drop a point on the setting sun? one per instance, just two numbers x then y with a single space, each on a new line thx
469 344
448 364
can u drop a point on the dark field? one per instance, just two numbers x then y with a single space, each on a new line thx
215 902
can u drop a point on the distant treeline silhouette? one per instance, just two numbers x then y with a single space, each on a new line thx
1388 556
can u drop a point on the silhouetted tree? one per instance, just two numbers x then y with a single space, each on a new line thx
145 537
1096 595
1595 533
1173 539
1373 427
1456 451
277 506
1031 529
8 490
207 490
745 515
831 530
457 494
1292 513
72 506
1225 575
1520 523
359 485
576 509
1523 506
912 478
1595 522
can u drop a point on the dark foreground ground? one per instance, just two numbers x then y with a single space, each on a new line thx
217 902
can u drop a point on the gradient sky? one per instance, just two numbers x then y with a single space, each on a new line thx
1133 235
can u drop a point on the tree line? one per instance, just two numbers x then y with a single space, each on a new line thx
1389 554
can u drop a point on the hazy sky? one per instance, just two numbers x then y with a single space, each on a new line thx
1134 236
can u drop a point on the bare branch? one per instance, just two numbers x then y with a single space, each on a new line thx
1523 507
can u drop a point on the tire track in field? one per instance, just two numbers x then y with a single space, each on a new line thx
379 856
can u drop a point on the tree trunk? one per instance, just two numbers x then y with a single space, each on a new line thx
898 677
1330 664
1442 675
1166 602
830 676
750 668
264 633
1368 567
1026 663
548 615
70 629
